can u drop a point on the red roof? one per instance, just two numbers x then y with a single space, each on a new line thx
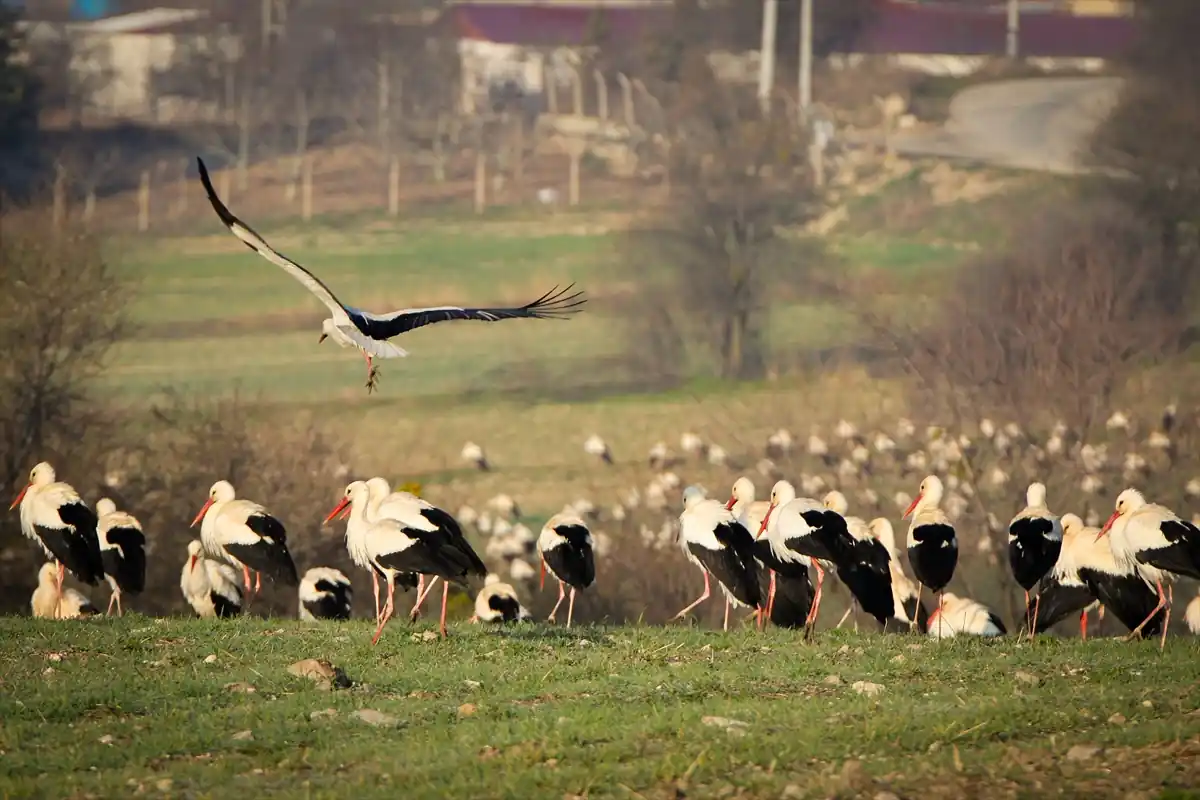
958 30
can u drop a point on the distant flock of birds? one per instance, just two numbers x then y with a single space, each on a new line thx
760 554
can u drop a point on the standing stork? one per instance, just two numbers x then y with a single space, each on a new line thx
1034 542
907 603
210 587
750 514
397 548
325 593
932 544
123 551
565 546
428 520
799 531
1156 539
54 516
1086 575
242 534
717 543
866 568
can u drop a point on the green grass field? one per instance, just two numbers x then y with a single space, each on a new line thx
122 707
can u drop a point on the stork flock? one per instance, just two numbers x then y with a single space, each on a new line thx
759 553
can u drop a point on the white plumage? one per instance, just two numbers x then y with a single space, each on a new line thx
498 602
53 515
244 535
325 593
961 616
48 603
210 587
1192 615
712 539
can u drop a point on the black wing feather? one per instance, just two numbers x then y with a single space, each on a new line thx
554 304
450 527
1057 601
128 566
77 546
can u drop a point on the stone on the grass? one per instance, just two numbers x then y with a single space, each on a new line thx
867 688
734 727
323 674
376 718
467 709
323 713
1083 752
240 687
1117 719
243 736
832 680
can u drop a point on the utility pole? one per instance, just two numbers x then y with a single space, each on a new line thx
766 67
1014 28
806 55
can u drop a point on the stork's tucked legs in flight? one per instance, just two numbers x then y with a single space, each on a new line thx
372 373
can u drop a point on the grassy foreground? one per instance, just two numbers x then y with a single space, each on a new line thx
111 708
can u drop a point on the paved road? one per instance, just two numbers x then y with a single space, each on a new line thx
1038 123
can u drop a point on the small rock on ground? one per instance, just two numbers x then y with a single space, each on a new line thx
323 713
376 718
867 688
832 680
1117 719
320 672
240 687
734 727
243 736
1083 752
467 709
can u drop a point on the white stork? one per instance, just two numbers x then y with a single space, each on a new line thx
54 516
433 524
932 543
908 606
369 333
1034 542
51 602
565 546
242 534
956 615
718 544
210 587
411 546
790 530
123 551
497 602
866 569
325 593
1156 539
1087 575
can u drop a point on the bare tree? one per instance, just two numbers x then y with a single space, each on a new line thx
61 309
736 181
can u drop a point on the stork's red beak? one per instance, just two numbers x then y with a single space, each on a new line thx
191 563
204 510
1108 524
913 507
542 585
732 502
766 519
324 336
20 497
337 510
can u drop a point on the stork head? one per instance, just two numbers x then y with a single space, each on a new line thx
221 492
743 491
836 501
327 328
356 492
40 475
1128 501
104 507
929 493
194 548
